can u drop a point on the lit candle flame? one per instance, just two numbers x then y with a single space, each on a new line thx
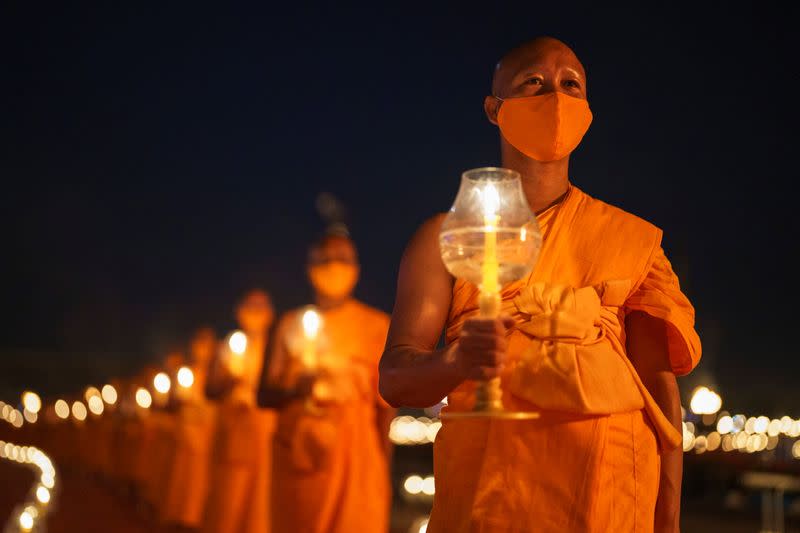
109 394
62 409
143 398
490 199
185 377
311 324
162 383
79 411
96 405
31 401
89 392
238 343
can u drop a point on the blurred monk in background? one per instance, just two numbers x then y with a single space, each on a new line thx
186 477
238 500
330 468
162 422
592 339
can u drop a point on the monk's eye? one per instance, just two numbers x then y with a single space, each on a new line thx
572 84
533 81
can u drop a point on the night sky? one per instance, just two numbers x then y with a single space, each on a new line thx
155 163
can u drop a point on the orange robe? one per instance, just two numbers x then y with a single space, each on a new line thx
591 462
239 495
157 450
187 478
330 470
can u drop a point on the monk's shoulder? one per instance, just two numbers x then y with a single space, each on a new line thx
610 219
287 319
371 315
427 234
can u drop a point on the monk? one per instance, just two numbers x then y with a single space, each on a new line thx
330 467
592 340
163 422
186 477
238 500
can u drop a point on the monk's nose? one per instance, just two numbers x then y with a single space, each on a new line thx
548 86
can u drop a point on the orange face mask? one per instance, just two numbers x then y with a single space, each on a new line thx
335 279
546 127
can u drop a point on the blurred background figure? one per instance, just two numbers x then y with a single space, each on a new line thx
162 423
331 447
238 500
187 474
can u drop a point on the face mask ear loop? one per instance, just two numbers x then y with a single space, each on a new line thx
501 100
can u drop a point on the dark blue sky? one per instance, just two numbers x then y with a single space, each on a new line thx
157 161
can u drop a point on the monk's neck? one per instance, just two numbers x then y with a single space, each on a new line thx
257 340
544 183
326 303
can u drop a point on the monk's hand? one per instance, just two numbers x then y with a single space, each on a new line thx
481 349
304 385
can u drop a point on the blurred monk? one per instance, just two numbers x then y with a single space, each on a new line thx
186 477
330 468
163 423
592 340
238 500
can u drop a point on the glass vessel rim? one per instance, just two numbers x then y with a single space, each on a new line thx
496 174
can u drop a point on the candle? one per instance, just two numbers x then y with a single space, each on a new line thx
490 201
161 383
143 398
311 325
238 345
185 382
185 377
31 401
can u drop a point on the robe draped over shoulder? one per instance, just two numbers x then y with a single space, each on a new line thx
591 462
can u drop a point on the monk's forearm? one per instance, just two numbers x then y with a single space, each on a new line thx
410 377
664 389
668 505
383 420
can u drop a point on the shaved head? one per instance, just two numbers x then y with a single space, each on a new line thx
539 52
540 66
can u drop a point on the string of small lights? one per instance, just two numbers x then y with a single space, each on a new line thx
706 428
29 516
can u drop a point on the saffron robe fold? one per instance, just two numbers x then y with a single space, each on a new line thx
239 493
591 461
330 470
188 473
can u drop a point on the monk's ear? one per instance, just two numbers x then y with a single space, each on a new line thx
491 106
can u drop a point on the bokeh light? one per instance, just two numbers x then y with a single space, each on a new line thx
238 342
62 409
705 401
96 405
31 402
143 398
109 394
79 410
162 383
42 494
185 377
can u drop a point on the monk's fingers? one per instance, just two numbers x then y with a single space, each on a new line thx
485 325
488 358
483 341
507 321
